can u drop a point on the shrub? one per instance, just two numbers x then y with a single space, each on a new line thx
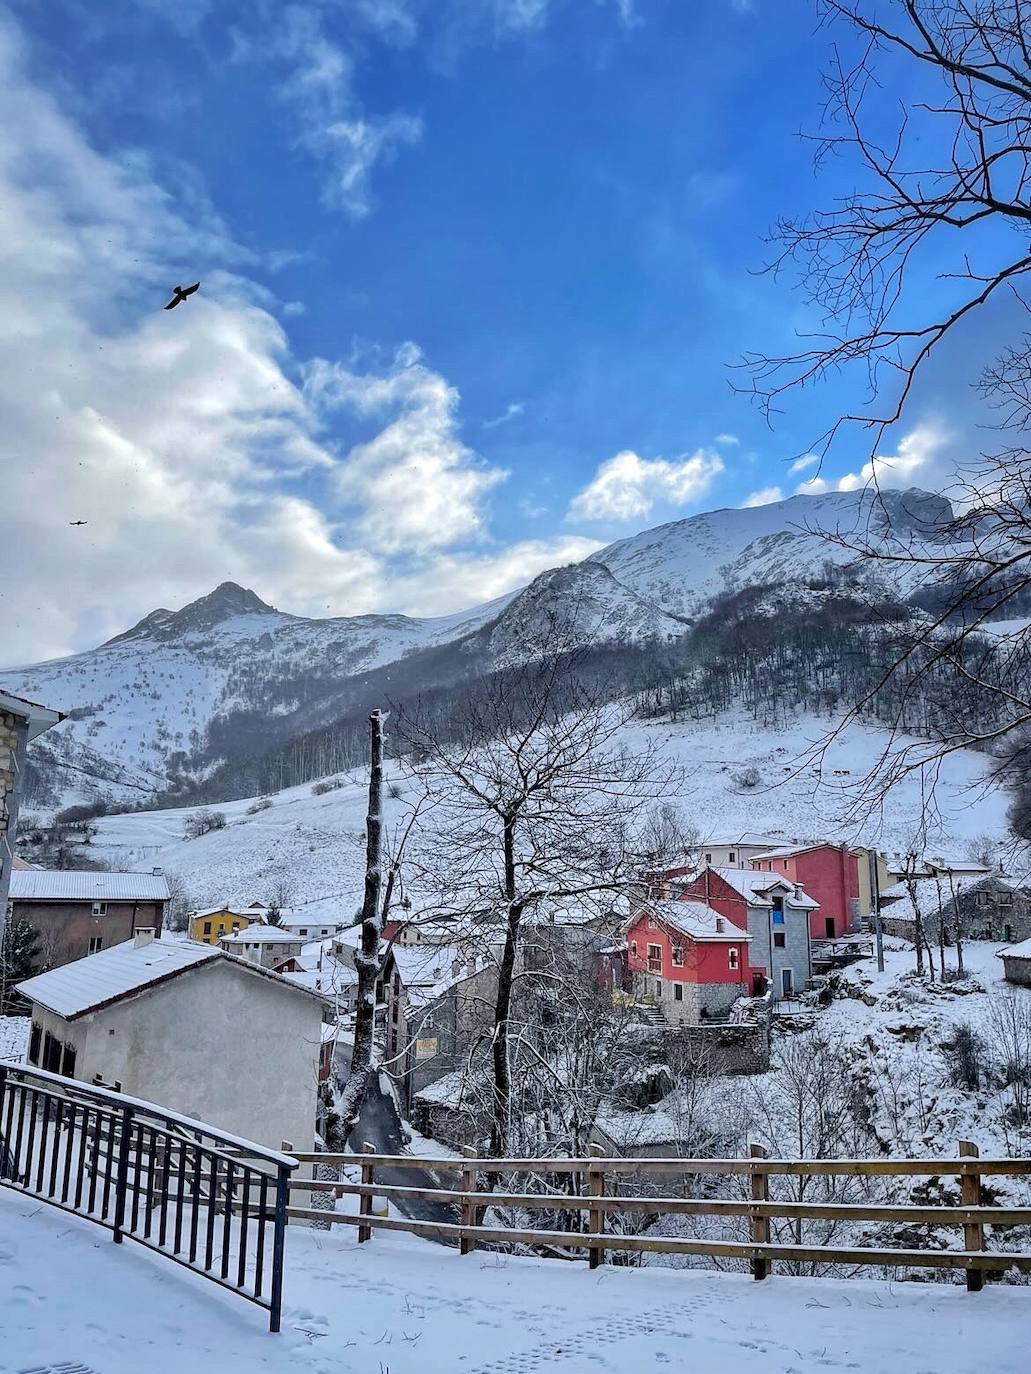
262 804
966 1058
202 823
326 785
395 791
748 777
80 814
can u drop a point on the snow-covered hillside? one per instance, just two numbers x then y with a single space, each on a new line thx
148 710
314 844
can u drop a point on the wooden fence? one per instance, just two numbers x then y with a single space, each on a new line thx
589 1177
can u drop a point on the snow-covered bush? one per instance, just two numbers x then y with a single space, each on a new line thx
748 777
202 823
262 804
320 789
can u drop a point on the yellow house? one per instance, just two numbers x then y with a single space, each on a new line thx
210 925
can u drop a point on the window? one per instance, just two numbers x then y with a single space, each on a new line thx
720 925
678 992
778 939
35 1035
51 1053
68 1061
236 925
655 958
983 898
730 856
207 927
100 908
303 930
678 956
633 946
732 957
708 858
778 916
96 944
787 982
1005 897
1007 933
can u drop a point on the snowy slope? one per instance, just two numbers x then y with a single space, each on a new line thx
315 843
143 705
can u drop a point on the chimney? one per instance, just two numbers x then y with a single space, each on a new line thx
158 872
144 936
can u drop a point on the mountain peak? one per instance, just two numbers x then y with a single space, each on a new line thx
227 600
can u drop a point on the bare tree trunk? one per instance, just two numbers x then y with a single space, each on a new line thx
501 1097
367 960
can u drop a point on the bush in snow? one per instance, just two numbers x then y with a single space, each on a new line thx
262 804
967 1058
748 777
326 785
202 823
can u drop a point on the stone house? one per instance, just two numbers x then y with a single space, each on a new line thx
986 908
77 912
189 1027
269 946
20 722
1016 963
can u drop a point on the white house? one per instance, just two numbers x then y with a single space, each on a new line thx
188 1027
309 927
270 946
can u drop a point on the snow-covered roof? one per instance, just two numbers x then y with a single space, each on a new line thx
122 971
749 839
447 1091
1020 951
754 886
928 889
697 921
84 885
252 913
333 977
422 965
40 718
111 974
261 935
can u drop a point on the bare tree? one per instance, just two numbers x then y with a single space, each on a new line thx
910 877
929 193
539 812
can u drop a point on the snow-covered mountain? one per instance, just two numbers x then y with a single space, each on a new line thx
146 708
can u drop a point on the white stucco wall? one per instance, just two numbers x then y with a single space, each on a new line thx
235 1050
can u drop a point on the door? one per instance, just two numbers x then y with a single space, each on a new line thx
787 982
829 926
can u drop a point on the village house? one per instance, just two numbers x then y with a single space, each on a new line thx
777 914
688 960
208 926
188 1026
269 946
735 853
308 927
20 722
943 866
76 912
321 971
992 907
829 873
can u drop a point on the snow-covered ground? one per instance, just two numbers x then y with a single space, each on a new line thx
315 844
71 1300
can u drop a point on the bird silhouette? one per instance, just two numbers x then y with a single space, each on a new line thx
179 293
77 522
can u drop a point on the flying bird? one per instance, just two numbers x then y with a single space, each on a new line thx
78 522
179 293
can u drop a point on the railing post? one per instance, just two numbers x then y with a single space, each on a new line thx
760 1224
279 1247
122 1176
596 1215
468 1243
973 1232
365 1201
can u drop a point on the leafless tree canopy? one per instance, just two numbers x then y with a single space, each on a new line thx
954 166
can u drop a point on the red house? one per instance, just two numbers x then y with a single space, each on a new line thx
829 873
688 960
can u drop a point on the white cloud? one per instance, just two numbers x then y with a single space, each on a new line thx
922 459
183 438
421 488
808 460
764 497
511 412
730 440
627 487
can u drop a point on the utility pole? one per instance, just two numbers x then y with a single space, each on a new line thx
873 856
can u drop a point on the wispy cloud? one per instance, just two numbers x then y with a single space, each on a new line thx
628 487
511 412
808 460
765 496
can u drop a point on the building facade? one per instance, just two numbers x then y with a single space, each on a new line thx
269 946
688 960
77 912
208 926
829 873
20 722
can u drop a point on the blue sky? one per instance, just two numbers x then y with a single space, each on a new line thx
474 271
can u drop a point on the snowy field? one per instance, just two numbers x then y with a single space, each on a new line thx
315 844
72 1300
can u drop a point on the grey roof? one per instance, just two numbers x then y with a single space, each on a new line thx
84 885
40 718
1021 951
123 970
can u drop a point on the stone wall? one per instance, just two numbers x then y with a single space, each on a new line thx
989 909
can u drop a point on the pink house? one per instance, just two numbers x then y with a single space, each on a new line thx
829 873
687 959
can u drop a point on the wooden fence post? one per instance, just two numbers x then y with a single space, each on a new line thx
468 1243
973 1232
596 1216
760 1224
365 1201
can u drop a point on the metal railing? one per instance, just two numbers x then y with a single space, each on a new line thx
204 1199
